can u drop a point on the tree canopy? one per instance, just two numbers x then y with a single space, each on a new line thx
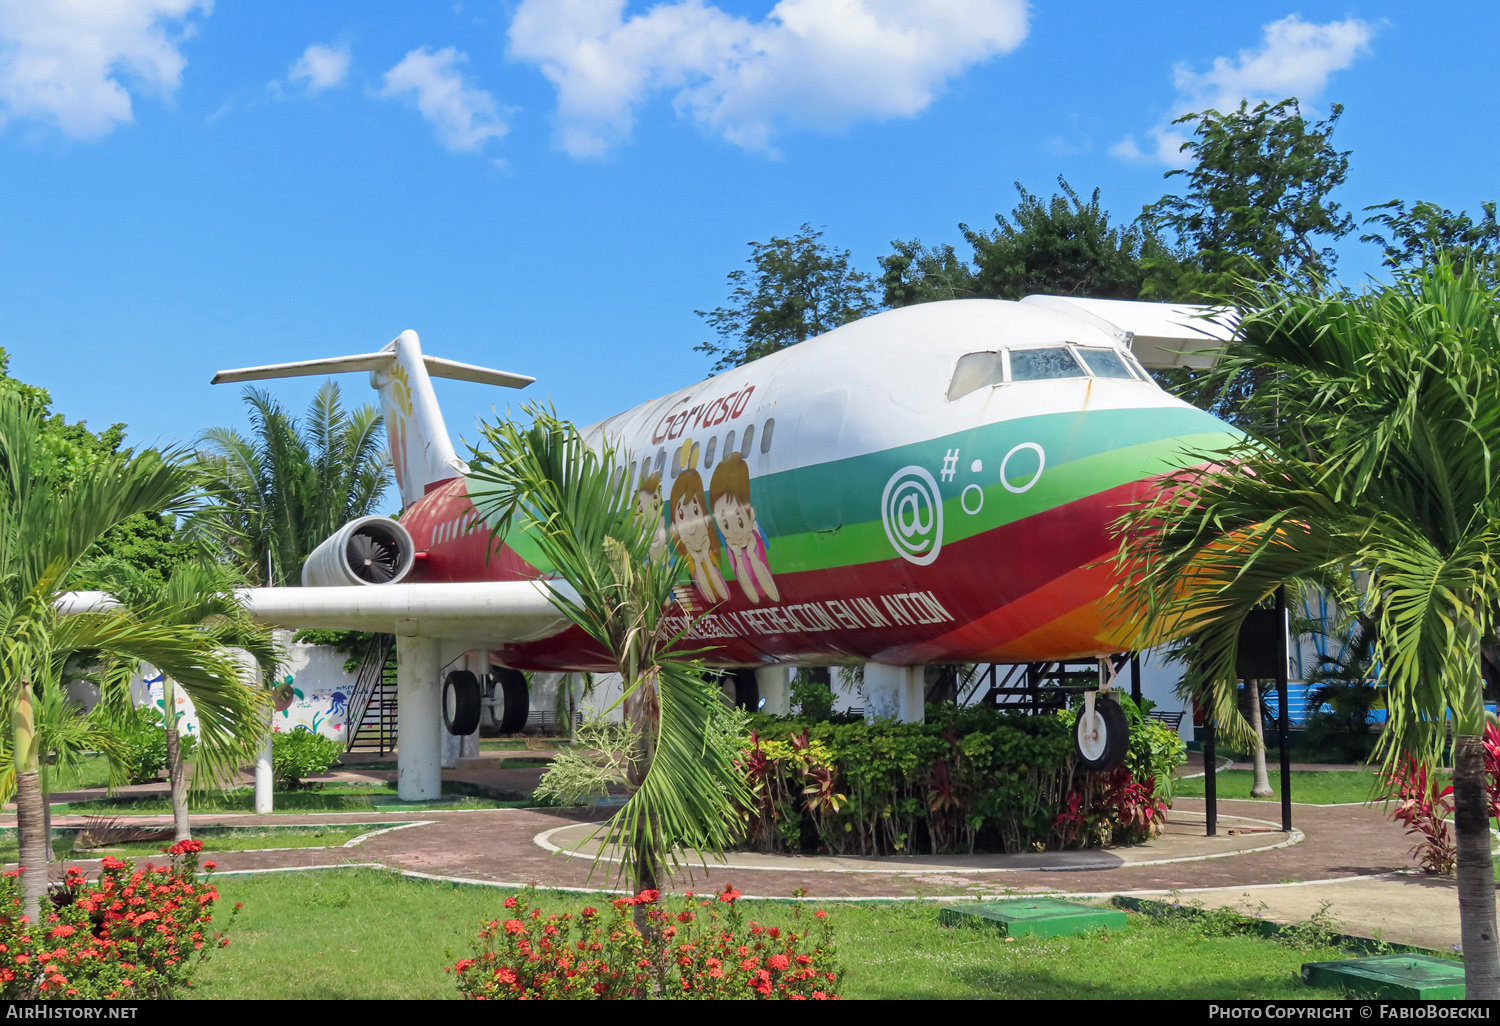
149 541
1428 233
796 288
1065 246
1257 202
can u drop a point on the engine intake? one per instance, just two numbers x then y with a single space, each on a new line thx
370 550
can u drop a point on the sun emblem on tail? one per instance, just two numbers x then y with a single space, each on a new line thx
401 390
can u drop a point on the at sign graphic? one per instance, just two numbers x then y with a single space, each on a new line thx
911 510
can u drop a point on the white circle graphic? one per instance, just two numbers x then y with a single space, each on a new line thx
911 511
1041 464
963 500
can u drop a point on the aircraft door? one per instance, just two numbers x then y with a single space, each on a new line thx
820 428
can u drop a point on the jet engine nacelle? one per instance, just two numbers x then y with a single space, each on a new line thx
370 550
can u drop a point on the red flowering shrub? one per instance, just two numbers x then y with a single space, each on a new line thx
1110 808
1423 805
701 949
133 933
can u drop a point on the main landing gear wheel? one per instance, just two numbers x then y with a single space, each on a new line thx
513 696
461 703
1103 735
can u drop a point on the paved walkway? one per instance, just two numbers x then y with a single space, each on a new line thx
1350 856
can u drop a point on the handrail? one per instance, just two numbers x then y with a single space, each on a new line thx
367 680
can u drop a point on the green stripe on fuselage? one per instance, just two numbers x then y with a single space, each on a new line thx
1086 453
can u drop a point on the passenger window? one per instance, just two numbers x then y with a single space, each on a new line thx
633 479
661 459
1044 364
729 443
1105 363
975 371
749 440
676 463
765 435
708 453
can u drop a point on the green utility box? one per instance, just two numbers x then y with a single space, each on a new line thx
1416 977
1034 917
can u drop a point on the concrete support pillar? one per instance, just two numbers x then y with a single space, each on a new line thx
894 692
775 686
264 783
419 777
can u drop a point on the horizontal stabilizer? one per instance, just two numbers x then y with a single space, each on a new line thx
1161 335
436 366
306 368
440 368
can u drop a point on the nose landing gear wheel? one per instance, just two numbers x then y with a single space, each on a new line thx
1103 735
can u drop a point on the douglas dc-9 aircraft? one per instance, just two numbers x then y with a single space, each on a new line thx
933 484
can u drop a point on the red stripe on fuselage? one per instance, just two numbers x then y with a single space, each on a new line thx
994 588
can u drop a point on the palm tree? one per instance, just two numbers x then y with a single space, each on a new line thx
575 502
64 735
197 595
1389 468
293 484
46 528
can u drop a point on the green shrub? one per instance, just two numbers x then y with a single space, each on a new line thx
140 737
301 753
814 698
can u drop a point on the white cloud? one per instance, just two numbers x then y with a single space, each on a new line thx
463 118
809 63
1296 58
66 61
320 67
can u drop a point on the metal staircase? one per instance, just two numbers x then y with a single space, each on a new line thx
371 723
1040 687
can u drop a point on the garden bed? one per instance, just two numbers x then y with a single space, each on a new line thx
966 780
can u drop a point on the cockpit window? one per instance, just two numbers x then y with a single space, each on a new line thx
1043 364
975 371
981 370
1105 363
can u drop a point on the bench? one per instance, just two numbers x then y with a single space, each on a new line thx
1171 719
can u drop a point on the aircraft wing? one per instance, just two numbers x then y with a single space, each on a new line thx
497 612
494 611
1161 335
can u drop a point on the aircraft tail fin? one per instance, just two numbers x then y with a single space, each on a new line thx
421 451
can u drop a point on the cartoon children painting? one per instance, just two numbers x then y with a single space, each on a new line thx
697 540
648 507
729 494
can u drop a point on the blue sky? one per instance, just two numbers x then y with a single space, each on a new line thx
554 188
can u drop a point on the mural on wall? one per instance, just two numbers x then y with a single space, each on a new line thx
148 691
313 693
319 709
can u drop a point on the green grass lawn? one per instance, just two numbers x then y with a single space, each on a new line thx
341 798
215 839
372 935
93 773
1316 787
